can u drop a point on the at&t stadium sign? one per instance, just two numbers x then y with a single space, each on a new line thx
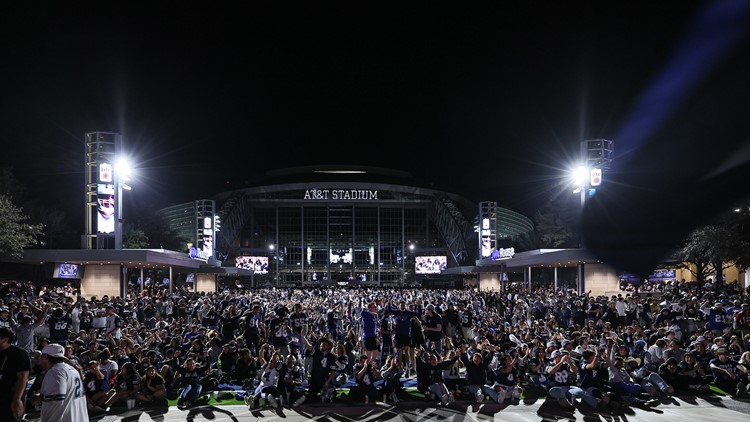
341 194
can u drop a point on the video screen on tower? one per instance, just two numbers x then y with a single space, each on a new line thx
105 200
66 271
430 264
259 264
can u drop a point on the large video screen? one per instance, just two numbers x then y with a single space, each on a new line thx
66 271
341 256
259 264
430 264
105 200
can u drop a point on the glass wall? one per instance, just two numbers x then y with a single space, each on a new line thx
336 242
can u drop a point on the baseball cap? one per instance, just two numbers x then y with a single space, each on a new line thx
555 354
430 307
551 344
54 350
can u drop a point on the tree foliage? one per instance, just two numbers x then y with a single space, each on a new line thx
135 239
556 224
711 249
15 232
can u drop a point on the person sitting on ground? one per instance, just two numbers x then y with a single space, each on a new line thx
96 386
726 375
537 368
153 387
590 380
744 367
391 373
476 373
189 377
620 381
506 377
269 379
365 375
108 366
655 356
452 374
432 371
561 373
127 386
292 374
669 371
651 381
693 374
342 362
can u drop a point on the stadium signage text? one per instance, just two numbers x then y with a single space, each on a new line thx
198 254
503 253
339 194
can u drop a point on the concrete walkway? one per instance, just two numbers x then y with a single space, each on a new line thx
704 409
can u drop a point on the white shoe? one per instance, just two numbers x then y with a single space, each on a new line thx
500 398
451 398
299 401
444 400
480 396
272 401
516 394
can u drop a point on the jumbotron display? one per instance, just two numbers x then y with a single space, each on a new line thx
430 264
259 264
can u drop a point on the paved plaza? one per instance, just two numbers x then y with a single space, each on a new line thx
703 409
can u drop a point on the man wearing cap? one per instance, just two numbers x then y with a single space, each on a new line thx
25 331
620 380
561 374
62 391
14 373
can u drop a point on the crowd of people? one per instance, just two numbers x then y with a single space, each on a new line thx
286 347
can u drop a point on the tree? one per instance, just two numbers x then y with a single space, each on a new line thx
15 233
738 222
58 233
135 239
710 250
556 223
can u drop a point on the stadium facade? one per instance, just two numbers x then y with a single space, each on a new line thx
335 224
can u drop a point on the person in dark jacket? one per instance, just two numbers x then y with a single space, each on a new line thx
476 374
432 371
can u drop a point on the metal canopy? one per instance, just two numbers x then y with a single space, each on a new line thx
132 258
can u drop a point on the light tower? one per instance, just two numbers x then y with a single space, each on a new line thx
103 188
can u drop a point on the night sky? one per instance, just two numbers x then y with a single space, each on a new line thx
488 103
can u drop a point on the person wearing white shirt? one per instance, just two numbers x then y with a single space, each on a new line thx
62 391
